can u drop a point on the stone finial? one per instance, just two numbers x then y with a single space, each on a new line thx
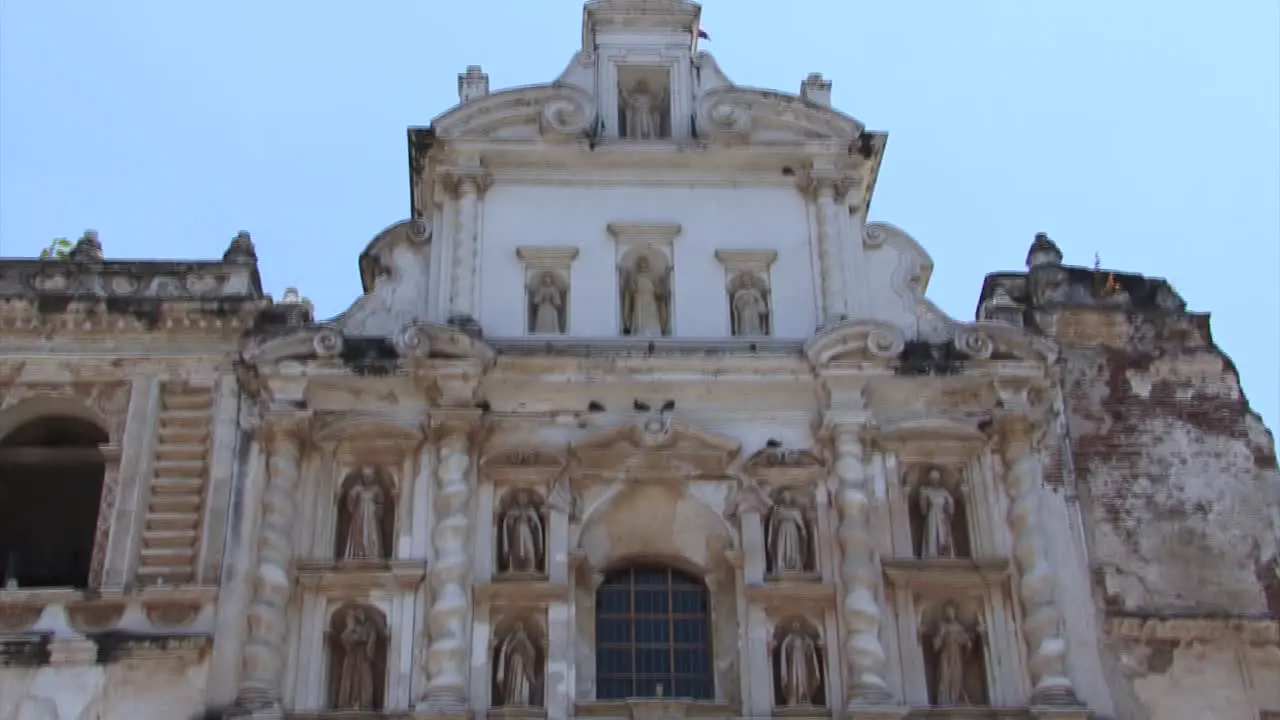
816 90
241 249
1043 252
472 84
1000 307
293 297
88 248
295 309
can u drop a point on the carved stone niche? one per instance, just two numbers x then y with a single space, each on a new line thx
366 517
517 665
938 507
521 524
790 536
357 658
645 278
644 103
953 643
547 275
798 668
749 291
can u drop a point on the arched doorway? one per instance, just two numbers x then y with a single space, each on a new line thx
653 635
51 474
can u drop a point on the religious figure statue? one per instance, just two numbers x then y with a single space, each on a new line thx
358 645
643 302
788 536
520 540
365 504
936 508
517 669
952 643
750 310
547 302
643 112
799 668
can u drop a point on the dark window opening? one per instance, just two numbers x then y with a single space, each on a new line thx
51 473
653 636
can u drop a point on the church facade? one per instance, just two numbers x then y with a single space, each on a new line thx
638 416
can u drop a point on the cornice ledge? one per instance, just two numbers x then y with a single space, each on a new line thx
644 233
1252 630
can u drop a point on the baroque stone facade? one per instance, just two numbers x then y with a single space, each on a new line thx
637 417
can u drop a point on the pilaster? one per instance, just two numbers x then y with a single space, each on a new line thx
468 183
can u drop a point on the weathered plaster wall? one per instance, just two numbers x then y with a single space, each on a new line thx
1180 476
137 690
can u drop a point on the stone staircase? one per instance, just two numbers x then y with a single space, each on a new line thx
171 533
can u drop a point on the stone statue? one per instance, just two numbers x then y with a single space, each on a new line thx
517 669
799 668
750 310
546 301
366 506
936 508
357 645
520 539
643 112
788 536
952 643
643 301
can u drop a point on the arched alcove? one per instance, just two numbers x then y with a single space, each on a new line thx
797 660
366 516
671 548
358 637
51 475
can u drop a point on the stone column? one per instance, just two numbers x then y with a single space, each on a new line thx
823 184
469 184
449 643
860 573
284 435
1041 616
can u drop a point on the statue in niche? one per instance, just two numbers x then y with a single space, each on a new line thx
642 114
363 518
355 685
937 507
516 671
750 309
546 304
953 643
799 667
788 536
521 538
644 301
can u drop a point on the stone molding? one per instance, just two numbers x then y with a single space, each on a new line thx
1184 629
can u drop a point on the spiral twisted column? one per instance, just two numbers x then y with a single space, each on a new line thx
1042 618
860 572
284 436
448 653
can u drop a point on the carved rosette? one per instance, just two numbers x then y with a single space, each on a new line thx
284 435
568 114
1042 619
450 576
866 655
724 117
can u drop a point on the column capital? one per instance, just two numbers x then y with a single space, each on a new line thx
442 422
458 179
816 180
846 420
276 426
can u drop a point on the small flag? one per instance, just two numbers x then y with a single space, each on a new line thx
702 34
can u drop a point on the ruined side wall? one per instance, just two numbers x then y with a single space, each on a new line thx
1178 475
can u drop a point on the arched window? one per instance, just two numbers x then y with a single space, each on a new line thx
51 473
653 635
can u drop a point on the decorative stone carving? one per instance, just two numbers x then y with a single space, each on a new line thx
366 516
748 288
357 665
789 536
776 466
548 304
646 298
656 449
954 649
937 508
643 110
856 341
797 662
568 113
517 669
522 537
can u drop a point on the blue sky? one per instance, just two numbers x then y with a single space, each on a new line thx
1146 131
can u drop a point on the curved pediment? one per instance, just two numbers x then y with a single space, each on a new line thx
378 258
856 341
551 111
1001 341
749 114
783 466
877 235
655 449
